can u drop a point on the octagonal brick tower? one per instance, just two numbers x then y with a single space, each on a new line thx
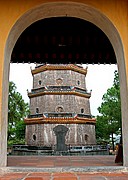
59 107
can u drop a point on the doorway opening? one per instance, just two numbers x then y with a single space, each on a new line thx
86 43
77 56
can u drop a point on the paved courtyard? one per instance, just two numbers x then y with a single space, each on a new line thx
61 161
63 168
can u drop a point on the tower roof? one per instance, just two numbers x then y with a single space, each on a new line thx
74 67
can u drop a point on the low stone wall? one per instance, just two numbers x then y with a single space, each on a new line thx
57 153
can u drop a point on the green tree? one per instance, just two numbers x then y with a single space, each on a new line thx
109 122
17 110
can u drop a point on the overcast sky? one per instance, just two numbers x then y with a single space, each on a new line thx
98 79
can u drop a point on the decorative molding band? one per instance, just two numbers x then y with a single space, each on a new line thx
59 67
61 120
87 95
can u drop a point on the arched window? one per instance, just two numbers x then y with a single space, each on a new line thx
40 82
78 82
86 137
34 137
82 110
37 110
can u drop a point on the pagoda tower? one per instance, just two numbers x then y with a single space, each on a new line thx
59 107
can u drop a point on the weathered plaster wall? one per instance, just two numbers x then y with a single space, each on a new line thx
69 103
69 78
45 135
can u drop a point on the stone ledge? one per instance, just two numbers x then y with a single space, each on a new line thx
89 169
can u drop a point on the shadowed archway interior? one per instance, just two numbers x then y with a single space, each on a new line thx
63 40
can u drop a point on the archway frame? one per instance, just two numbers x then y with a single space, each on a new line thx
59 9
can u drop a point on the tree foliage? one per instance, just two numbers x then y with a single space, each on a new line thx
17 110
109 122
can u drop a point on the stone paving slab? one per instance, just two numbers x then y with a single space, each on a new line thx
64 176
63 168
61 161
